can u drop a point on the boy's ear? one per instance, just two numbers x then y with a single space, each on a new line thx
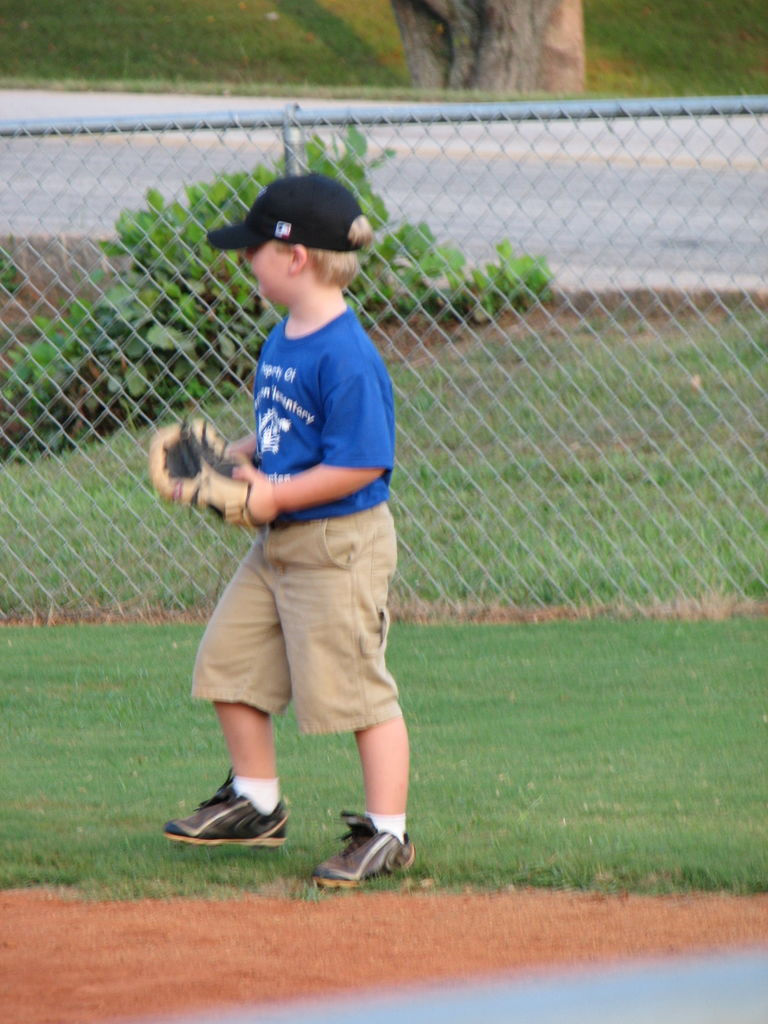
299 259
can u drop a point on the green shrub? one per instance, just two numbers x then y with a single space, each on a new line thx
177 321
182 320
10 278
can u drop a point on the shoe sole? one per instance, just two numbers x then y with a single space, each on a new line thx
272 838
354 883
192 840
335 883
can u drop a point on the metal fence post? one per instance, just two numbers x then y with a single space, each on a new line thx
293 141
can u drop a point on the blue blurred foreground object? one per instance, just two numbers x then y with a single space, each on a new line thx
725 989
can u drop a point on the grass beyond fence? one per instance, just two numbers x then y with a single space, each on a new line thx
583 453
594 457
596 755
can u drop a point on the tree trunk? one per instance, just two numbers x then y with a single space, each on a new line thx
512 46
563 64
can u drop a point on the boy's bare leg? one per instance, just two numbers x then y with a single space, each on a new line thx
249 738
385 758
246 811
378 843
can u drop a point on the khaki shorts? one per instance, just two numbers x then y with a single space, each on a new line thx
305 619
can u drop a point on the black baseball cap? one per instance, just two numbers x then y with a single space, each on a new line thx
306 209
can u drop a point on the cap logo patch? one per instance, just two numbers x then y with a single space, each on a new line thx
282 229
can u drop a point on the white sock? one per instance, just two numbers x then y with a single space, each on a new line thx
264 794
393 823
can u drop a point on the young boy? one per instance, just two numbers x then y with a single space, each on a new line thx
305 615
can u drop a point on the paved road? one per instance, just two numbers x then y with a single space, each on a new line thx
643 202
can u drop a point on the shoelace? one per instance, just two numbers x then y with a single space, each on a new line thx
355 837
221 794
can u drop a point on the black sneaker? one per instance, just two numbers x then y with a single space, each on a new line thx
229 818
368 853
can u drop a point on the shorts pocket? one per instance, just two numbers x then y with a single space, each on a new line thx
340 543
315 544
374 640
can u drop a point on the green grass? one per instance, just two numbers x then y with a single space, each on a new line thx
231 43
549 437
677 48
634 47
595 755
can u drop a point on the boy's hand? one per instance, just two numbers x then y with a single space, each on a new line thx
261 502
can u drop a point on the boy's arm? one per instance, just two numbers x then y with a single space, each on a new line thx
315 486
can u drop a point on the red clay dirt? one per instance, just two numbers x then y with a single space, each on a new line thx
67 961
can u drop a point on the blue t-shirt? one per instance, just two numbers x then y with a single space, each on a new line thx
325 398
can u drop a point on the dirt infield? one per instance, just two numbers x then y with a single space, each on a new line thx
65 961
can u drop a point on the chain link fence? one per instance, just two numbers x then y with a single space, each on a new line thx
571 298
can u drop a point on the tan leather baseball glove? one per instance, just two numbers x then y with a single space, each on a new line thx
188 464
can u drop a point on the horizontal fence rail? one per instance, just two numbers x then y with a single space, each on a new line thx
572 299
424 114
